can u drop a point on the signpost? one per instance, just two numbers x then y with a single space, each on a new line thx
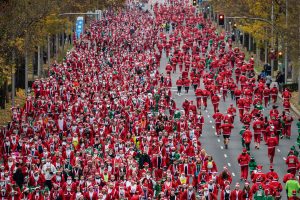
79 26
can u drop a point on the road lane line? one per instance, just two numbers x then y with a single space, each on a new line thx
213 127
219 140
233 174
221 147
284 158
278 150
225 155
210 121
208 116
229 164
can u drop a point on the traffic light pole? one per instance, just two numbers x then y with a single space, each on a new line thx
272 43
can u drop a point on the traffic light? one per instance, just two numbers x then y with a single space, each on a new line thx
221 20
194 2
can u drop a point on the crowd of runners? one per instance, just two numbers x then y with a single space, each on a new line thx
104 124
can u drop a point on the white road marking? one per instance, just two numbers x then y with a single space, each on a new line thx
219 140
208 116
229 164
225 155
284 158
213 126
233 174
221 147
210 121
278 150
205 110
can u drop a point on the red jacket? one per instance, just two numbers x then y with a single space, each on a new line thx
184 196
247 136
292 162
227 128
179 82
244 159
234 195
272 142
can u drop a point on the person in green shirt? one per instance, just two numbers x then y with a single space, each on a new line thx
260 194
241 133
269 197
295 152
157 187
252 164
298 126
291 185
298 141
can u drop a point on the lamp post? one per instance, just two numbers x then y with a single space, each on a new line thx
286 44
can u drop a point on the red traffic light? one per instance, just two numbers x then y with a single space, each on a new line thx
221 19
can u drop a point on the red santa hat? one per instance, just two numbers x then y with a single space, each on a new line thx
259 168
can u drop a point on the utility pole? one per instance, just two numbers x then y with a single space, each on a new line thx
286 44
272 39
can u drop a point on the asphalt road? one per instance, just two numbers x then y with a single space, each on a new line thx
214 145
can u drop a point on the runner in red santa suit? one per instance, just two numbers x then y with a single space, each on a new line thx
243 161
286 94
218 117
232 112
288 119
205 95
257 125
215 99
272 142
226 129
274 93
266 94
292 163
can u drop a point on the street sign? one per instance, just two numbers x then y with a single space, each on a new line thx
79 26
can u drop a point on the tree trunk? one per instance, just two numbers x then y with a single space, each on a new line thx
13 86
249 42
266 52
56 46
39 61
6 91
48 49
26 70
63 41
2 97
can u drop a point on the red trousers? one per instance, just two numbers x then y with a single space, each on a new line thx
271 153
266 99
244 172
198 102
287 130
274 98
257 137
216 106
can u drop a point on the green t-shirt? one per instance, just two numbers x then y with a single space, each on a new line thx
259 195
292 185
